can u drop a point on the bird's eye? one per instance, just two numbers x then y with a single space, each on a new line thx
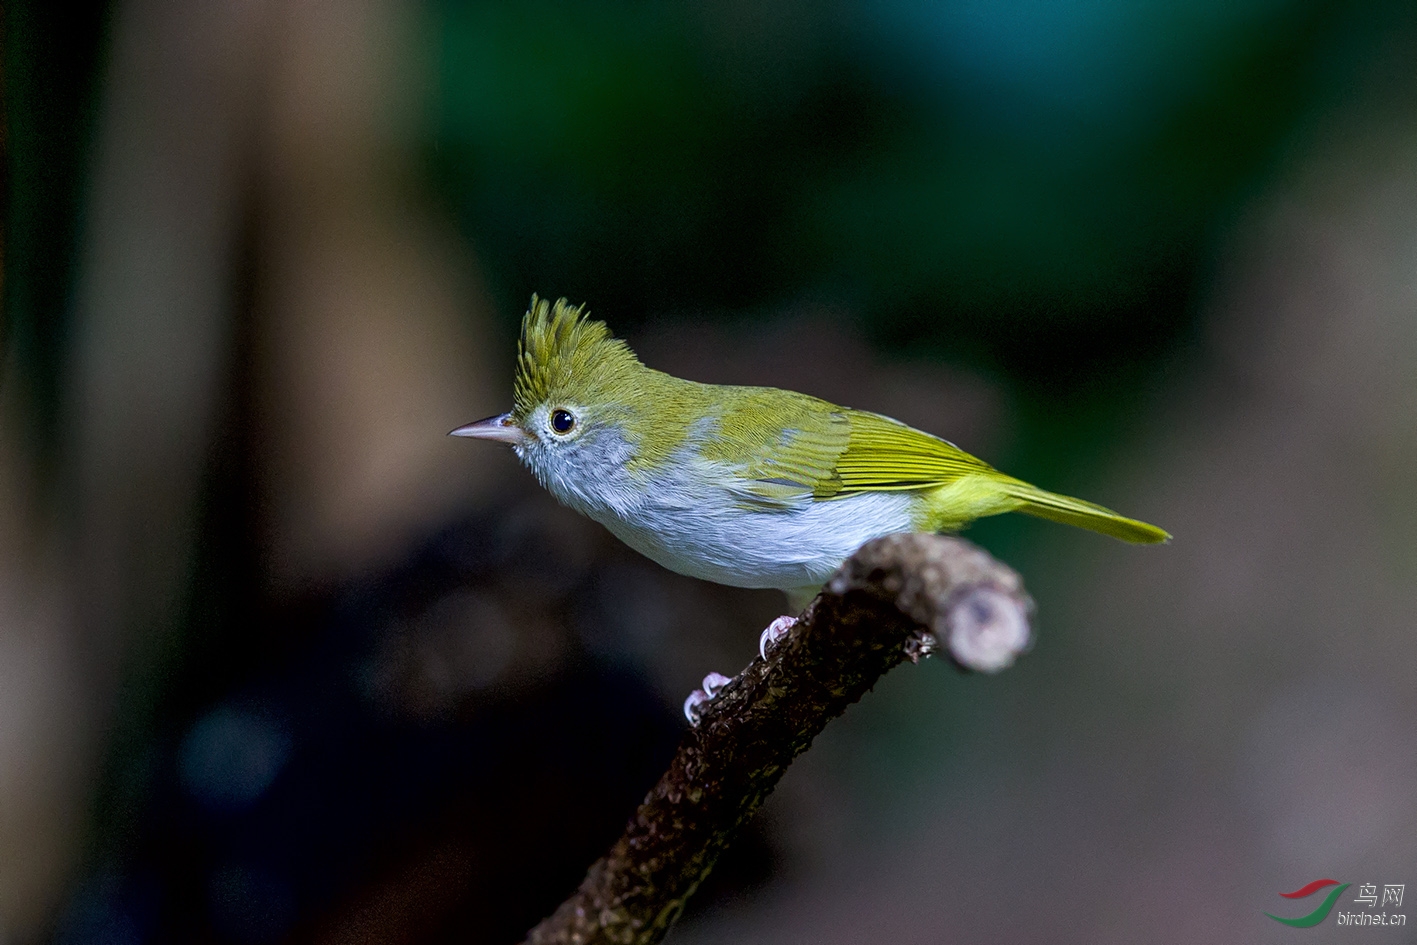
562 421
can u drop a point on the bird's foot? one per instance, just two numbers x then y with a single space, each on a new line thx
776 630
714 682
712 685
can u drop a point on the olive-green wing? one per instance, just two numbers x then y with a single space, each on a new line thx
788 449
779 447
886 455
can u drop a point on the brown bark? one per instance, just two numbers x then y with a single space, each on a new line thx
897 598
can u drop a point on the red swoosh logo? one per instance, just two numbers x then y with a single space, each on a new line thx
1310 889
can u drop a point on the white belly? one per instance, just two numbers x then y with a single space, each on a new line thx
691 524
717 540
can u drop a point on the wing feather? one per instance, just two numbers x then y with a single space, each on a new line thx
804 449
886 455
792 442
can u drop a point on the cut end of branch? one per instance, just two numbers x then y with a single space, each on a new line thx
987 630
970 604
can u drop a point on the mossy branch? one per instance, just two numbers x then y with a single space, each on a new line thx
898 598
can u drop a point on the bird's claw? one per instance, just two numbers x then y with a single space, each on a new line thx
714 682
712 685
774 633
691 705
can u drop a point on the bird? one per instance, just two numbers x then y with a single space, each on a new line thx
745 486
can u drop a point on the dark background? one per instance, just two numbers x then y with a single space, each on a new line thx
279 662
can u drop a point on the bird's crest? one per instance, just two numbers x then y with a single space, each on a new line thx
564 353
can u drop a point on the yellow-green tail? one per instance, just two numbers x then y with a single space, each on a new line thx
952 506
1070 511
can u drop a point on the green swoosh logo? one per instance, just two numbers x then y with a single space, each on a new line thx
1318 915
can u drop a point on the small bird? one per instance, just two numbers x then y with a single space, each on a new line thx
745 486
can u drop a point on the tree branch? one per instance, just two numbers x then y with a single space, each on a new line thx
899 597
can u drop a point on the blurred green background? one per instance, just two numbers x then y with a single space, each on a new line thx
281 663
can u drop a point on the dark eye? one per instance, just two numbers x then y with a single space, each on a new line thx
562 421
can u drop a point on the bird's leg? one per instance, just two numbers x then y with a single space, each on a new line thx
775 631
712 685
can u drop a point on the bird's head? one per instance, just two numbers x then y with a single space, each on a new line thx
575 400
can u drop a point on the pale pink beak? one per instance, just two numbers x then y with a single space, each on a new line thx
500 428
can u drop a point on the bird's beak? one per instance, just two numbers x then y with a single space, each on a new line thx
500 427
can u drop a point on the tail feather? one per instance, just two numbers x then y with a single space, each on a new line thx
1070 511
